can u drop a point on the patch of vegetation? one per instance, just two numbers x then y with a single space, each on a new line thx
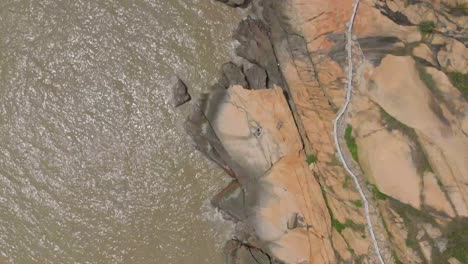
390 235
357 203
335 162
347 224
428 80
335 223
412 219
426 27
397 260
311 159
351 142
458 9
439 96
458 240
346 182
419 158
460 81
411 242
391 122
456 232
338 225
378 194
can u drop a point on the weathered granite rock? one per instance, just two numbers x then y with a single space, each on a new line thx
381 149
256 77
454 57
180 93
438 131
423 52
231 202
238 253
256 133
234 75
434 197
300 45
255 46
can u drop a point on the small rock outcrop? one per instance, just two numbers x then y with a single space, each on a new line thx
256 77
180 93
234 75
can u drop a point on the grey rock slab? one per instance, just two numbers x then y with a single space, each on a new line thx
180 93
234 75
256 77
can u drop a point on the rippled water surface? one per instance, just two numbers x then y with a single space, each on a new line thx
94 165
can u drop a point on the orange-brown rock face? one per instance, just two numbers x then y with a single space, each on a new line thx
286 208
315 85
408 119
409 136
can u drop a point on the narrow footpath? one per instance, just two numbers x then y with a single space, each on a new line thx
338 125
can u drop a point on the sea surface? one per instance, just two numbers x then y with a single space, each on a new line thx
94 164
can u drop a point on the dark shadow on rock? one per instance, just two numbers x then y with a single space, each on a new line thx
255 47
256 77
236 3
397 17
233 75
239 253
231 202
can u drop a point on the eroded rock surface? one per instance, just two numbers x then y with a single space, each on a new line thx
256 131
409 122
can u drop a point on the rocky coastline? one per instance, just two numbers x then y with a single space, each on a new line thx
268 122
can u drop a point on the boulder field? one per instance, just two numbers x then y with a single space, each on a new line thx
268 122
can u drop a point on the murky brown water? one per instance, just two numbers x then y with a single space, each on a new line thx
94 165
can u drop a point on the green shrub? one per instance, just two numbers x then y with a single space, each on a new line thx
426 27
338 225
351 142
347 224
378 194
357 203
311 159
390 121
460 81
412 243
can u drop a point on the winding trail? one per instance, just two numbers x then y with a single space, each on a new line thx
349 89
